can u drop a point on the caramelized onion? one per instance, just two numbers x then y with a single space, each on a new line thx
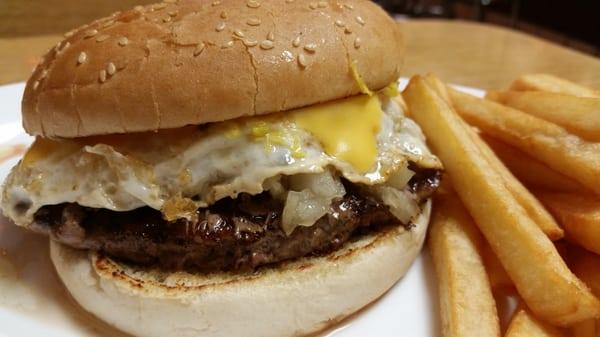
401 203
309 199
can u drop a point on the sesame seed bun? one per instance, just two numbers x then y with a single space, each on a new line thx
291 299
189 62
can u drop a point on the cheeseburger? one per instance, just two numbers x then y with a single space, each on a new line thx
225 168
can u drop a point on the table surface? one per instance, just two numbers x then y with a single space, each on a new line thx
466 53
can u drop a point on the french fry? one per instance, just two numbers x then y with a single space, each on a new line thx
578 214
523 324
533 207
587 267
550 83
493 95
437 85
530 171
543 140
540 275
579 115
499 279
584 329
466 302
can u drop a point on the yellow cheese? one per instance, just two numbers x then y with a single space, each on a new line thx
347 129
359 80
391 90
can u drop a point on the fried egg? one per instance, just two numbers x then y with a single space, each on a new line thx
365 139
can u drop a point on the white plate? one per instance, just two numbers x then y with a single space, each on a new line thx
34 303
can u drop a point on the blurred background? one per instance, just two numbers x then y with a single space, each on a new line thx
572 23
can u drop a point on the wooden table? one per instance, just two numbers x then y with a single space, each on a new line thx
465 53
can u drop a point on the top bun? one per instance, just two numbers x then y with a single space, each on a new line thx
186 62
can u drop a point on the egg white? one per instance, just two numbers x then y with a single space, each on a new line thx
202 163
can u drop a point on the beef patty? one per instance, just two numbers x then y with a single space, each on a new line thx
240 233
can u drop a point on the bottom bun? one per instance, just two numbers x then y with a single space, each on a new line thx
289 299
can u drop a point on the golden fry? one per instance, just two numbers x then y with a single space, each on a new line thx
533 207
530 171
466 302
543 140
584 329
587 267
523 324
578 214
499 279
493 95
531 260
436 84
579 115
550 83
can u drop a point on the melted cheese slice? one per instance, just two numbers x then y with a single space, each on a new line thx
347 129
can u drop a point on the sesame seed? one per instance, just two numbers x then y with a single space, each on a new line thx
123 41
357 43
253 4
101 38
267 44
111 69
223 15
216 3
199 49
36 84
238 33
271 36
228 44
102 76
322 4
311 47
173 13
159 6
313 5
349 6
138 8
65 46
90 33
360 20
253 22
250 43
44 74
296 42
220 27
82 58
60 47
348 30
287 56
108 24
166 19
302 61
69 33
340 23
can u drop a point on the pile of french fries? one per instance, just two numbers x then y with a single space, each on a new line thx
519 212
